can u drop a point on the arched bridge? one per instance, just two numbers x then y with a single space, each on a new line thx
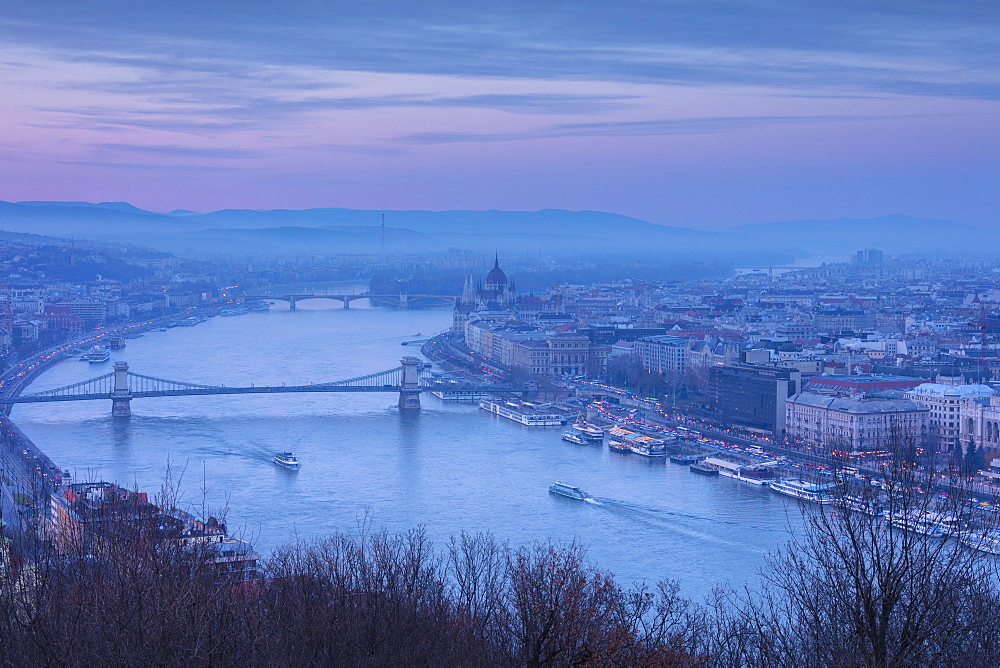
122 385
404 299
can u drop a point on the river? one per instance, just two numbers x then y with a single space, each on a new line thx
448 468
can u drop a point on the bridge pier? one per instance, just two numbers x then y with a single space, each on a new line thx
291 303
404 302
409 392
347 303
121 396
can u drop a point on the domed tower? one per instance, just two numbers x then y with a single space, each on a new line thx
496 280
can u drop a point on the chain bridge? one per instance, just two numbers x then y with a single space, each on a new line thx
121 386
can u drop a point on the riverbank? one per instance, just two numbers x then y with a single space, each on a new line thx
31 476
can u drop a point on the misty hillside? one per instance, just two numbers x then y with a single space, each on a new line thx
352 231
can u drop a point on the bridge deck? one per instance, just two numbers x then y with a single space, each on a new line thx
208 391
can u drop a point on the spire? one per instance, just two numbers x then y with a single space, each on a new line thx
496 260
469 292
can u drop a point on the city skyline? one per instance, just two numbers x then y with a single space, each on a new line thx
695 114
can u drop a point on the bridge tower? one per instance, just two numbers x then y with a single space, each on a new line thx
409 392
121 396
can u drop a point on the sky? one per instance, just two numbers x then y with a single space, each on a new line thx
703 113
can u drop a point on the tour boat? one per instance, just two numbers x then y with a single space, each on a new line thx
573 437
98 354
861 504
926 523
704 469
619 446
286 459
984 541
648 447
623 440
568 491
535 415
589 431
801 489
755 475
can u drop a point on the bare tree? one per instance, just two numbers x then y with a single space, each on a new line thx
869 581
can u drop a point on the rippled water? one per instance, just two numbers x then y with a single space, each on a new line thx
449 467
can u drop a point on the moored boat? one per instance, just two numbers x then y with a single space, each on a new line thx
755 475
98 354
861 504
573 437
624 440
704 469
588 431
569 491
287 460
926 523
619 446
983 541
804 490
534 415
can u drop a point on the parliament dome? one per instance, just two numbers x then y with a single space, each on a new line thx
496 279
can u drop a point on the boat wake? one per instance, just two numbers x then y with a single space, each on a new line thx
594 501
650 514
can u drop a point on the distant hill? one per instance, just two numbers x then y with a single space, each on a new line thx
106 221
353 231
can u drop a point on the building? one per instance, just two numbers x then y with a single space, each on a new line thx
980 422
868 257
90 312
663 354
945 404
94 517
752 395
864 383
569 354
837 320
855 423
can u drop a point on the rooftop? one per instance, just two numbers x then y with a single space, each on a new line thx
849 405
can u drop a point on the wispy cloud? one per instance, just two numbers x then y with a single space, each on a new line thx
182 168
182 151
658 127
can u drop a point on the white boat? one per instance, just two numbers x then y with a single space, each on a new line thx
984 541
534 415
98 354
804 490
573 437
625 440
648 447
568 491
925 523
861 504
287 460
751 474
588 431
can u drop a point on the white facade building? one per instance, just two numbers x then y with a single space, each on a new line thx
854 424
945 403
663 354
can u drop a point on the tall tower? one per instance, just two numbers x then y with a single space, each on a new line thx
469 291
